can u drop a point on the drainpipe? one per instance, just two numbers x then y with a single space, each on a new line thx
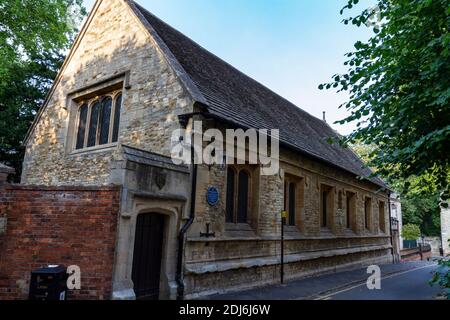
283 222
189 222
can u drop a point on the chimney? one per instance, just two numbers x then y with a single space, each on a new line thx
324 116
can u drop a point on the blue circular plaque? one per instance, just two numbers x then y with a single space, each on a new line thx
212 196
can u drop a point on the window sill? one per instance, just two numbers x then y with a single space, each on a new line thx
326 231
238 227
291 229
369 233
240 230
292 232
350 231
288 237
96 149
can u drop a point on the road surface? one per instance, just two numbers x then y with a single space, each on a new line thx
407 285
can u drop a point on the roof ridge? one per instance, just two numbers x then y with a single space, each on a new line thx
223 61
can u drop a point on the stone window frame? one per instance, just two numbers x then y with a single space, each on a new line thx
90 103
368 214
340 200
351 215
119 82
251 172
382 216
330 189
299 183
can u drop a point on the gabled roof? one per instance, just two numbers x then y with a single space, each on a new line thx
233 96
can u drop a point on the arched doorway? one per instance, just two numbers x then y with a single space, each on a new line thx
147 255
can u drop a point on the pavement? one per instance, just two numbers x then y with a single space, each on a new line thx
399 280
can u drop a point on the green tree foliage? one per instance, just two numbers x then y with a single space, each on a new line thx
420 206
442 277
34 36
410 232
399 87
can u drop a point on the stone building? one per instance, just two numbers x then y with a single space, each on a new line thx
445 231
129 81
396 225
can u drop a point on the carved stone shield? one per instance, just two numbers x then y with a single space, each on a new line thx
159 178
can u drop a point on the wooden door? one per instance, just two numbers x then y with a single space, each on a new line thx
147 255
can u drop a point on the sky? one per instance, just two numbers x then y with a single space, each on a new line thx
290 46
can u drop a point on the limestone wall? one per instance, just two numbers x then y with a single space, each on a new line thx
249 255
115 42
221 266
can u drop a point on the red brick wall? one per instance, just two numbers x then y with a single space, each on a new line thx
58 225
